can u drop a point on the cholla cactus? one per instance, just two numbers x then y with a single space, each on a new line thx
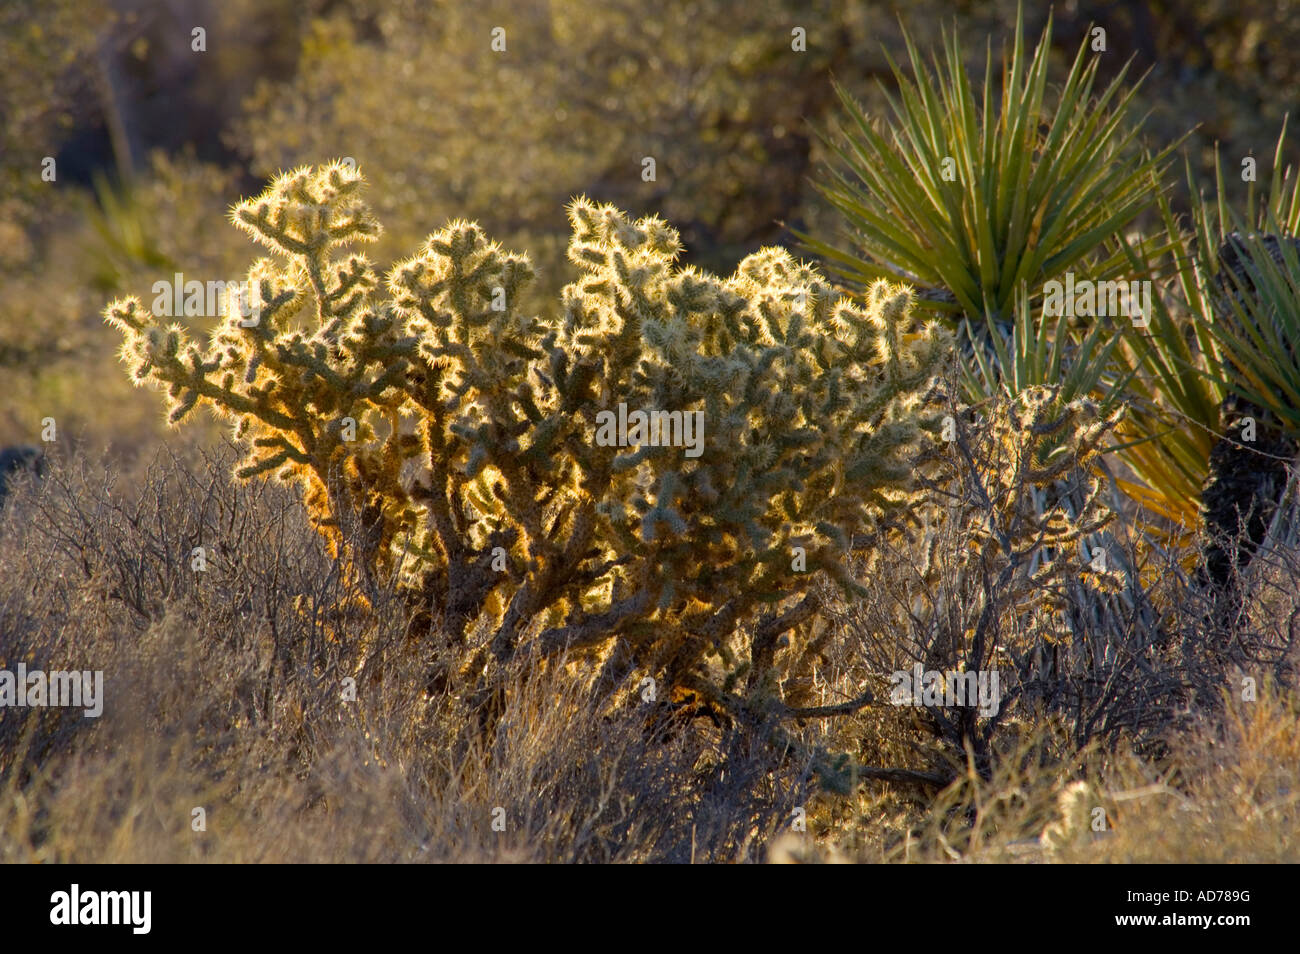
476 466
1009 558
1035 506
1033 444
1072 807
1020 546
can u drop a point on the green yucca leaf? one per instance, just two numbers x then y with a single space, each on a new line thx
1033 192
1190 357
1256 329
1173 406
1259 329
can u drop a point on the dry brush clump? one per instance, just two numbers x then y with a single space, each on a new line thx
227 688
1224 791
1115 695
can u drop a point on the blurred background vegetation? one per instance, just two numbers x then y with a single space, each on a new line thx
153 141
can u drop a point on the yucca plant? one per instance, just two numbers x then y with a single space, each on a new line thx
1254 320
972 198
981 201
1255 324
1259 325
1216 354
1173 417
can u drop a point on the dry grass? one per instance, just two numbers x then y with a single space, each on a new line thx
224 691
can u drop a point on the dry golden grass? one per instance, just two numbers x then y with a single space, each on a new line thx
224 693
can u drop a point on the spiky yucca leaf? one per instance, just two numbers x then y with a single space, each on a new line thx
1030 191
1180 378
1257 323
1258 330
1174 407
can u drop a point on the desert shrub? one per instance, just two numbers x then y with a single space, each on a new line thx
1224 791
113 558
223 690
1116 692
460 438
